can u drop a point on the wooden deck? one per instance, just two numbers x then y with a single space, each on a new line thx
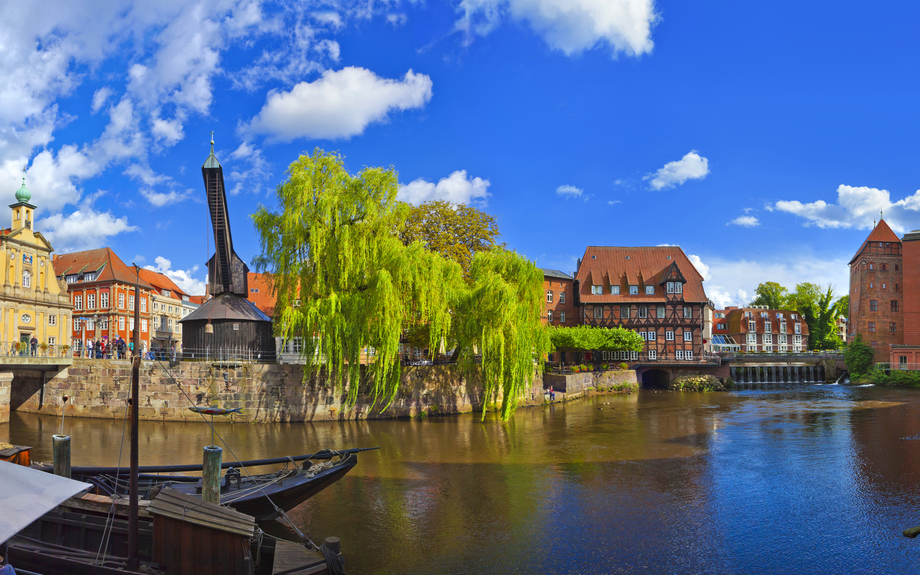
297 560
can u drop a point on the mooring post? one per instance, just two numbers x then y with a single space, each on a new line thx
210 475
333 544
61 455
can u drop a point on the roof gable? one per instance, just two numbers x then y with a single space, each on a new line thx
639 266
881 233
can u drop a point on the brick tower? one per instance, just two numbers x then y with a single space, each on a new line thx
876 297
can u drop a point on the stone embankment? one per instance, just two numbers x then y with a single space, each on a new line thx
266 392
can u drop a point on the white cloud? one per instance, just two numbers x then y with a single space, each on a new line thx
251 177
397 19
341 104
100 97
84 229
160 199
183 278
857 207
457 188
699 265
169 131
691 167
571 26
328 18
614 202
746 221
569 191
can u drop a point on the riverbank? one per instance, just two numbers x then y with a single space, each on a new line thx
270 393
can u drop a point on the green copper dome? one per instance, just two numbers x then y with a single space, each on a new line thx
23 194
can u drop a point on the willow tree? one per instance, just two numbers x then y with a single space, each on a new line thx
343 280
500 318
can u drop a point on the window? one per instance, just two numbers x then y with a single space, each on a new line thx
752 338
169 322
104 323
549 295
131 323
767 326
897 287
72 279
674 287
722 326
902 361
884 285
768 339
297 345
659 312
782 339
52 341
89 277
871 285
156 306
598 312
121 301
649 290
652 335
783 349
643 311
236 327
144 325
597 290
52 319
549 316
624 312
873 305
643 335
894 305
76 324
652 354
633 355
562 296
90 301
782 327
871 327
90 324
752 325
26 279
798 328
793 317
121 324
669 336
130 302
688 354
166 293
561 317
895 267
614 290
884 267
797 340
78 302
893 327
688 312
633 290
143 304
680 354
104 300
688 336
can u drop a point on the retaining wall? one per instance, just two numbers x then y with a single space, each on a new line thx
578 383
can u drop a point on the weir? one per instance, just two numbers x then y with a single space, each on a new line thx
744 374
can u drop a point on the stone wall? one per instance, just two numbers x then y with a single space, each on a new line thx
265 392
577 383
6 379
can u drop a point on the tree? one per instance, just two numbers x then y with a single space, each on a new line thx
342 275
456 231
585 337
772 295
500 317
843 306
819 310
858 356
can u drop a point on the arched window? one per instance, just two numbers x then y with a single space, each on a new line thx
26 279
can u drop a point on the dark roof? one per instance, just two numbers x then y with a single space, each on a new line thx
555 274
880 233
227 306
642 266
103 261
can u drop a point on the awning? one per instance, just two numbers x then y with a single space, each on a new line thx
26 494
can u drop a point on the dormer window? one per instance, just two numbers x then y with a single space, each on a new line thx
614 290
72 279
89 277
649 290
597 290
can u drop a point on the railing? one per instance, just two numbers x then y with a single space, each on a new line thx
20 349
885 366
727 355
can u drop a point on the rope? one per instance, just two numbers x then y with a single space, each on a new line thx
334 561
110 518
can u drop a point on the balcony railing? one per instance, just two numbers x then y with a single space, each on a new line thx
884 366
20 349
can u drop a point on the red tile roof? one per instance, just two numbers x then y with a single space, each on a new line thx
625 266
260 292
108 266
880 233
161 282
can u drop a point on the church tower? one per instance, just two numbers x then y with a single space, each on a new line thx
876 296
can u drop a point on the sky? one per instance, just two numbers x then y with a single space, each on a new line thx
765 139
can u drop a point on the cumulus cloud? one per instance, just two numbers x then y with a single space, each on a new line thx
250 173
700 266
100 97
183 278
84 229
691 167
569 191
160 199
571 26
857 207
341 104
746 221
457 188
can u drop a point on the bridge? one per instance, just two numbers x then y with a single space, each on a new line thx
746 368
18 363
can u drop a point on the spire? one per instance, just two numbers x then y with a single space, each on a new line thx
211 162
23 194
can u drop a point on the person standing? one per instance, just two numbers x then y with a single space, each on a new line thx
34 343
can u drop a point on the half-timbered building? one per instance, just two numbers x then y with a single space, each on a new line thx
655 291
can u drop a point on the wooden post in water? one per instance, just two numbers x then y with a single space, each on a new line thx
210 475
61 455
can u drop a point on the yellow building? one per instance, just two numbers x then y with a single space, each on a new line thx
33 302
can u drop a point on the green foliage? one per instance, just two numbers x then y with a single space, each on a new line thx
819 310
456 231
858 356
697 383
896 378
500 316
332 248
772 295
585 337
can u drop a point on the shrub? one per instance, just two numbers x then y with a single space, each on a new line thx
858 356
623 367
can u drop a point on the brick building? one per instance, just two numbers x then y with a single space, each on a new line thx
762 330
559 304
655 291
101 290
906 353
876 296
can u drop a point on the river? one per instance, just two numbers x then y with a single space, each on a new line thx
811 479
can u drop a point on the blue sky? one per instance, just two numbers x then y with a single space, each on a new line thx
764 139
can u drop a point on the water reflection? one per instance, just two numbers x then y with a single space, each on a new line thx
780 480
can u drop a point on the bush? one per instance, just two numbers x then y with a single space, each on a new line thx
697 383
623 367
896 378
858 356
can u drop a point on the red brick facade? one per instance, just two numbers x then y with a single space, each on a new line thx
877 279
761 330
559 299
907 355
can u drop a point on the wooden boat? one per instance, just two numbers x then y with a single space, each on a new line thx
262 496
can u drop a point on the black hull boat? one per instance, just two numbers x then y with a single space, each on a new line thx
262 496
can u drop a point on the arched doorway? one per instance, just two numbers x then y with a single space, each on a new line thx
656 379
